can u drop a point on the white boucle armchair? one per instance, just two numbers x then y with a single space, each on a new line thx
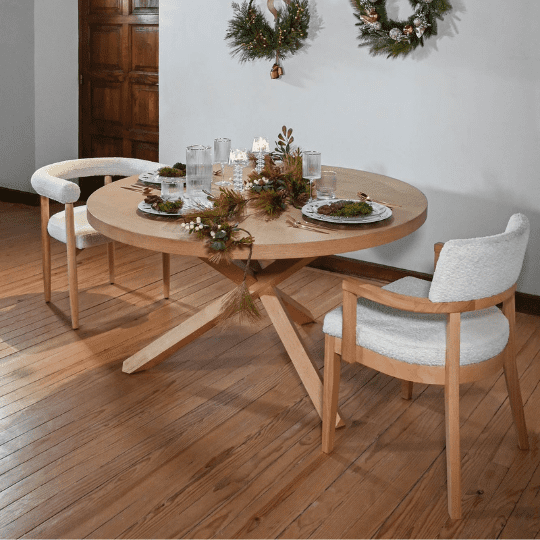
71 225
448 331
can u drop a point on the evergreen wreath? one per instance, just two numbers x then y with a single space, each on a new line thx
397 38
251 37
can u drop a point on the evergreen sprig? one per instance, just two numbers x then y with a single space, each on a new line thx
376 35
283 144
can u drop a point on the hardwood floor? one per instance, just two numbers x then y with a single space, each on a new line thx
221 440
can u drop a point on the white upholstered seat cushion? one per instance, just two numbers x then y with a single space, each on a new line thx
85 234
421 338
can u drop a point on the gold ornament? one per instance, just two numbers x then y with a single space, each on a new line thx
370 18
408 30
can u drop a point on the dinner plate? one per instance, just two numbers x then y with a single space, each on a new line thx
380 213
149 177
145 207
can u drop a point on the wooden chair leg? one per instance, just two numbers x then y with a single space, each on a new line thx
110 255
406 389
512 378
46 248
72 267
332 374
451 398
166 274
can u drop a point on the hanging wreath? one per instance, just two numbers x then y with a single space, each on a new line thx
251 37
397 38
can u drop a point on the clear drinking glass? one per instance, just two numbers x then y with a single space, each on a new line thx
326 185
222 149
198 172
171 188
311 168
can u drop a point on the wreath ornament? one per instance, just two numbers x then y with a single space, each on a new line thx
397 38
251 37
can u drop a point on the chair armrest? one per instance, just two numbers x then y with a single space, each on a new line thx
55 188
421 305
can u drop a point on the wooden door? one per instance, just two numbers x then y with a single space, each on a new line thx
118 70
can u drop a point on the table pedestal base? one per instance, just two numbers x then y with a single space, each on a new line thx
281 308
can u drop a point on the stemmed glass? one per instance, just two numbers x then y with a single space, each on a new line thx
222 149
260 147
238 158
311 168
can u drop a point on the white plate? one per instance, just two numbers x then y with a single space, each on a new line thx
380 212
145 207
149 177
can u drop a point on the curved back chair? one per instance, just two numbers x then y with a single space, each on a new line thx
71 225
448 331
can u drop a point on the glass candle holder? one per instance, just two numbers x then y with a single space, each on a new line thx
260 147
238 158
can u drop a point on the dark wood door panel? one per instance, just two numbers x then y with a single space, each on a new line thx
145 107
108 7
145 150
105 51
103 146
144 43
106 104
119 66
144 6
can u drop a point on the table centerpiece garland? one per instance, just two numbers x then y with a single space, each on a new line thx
252 38
397 38
269 193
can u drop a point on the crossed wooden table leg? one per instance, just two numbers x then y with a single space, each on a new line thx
281 308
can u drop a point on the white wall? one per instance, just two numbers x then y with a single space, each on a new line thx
459 118
16 93
38 87
56 81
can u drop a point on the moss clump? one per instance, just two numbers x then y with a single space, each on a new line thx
171 172
346 209
171 207
180 166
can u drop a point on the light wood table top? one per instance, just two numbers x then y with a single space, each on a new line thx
113 212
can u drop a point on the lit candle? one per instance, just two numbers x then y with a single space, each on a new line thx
238 156
260 145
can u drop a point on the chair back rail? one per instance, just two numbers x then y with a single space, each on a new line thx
52 181
475 268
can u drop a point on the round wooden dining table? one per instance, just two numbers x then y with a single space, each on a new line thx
279 249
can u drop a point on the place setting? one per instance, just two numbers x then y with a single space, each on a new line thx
326 209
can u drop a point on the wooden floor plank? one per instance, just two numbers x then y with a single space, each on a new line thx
221 440
351 487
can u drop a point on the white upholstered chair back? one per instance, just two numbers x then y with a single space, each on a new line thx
52 181
480 267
